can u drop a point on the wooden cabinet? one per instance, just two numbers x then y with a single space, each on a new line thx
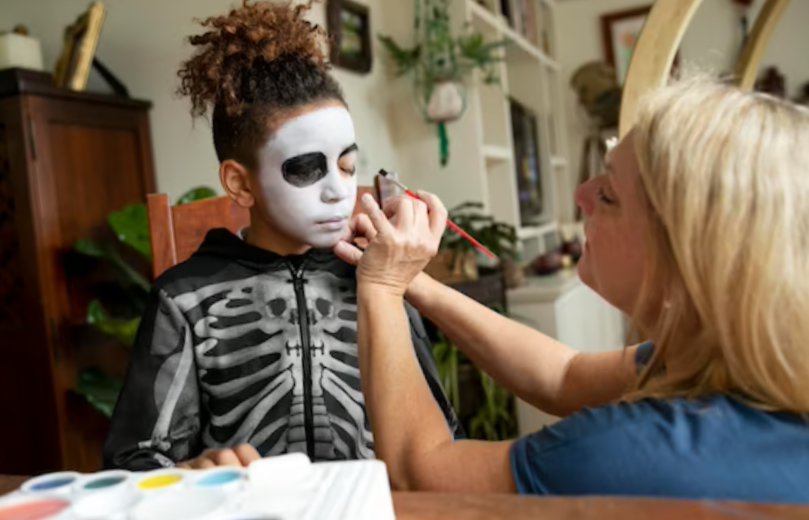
66 160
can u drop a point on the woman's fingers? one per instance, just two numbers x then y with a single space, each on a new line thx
377 216
436 211
348 253
363 227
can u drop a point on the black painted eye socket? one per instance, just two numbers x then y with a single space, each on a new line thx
305 170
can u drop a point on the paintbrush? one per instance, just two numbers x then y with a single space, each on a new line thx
452 225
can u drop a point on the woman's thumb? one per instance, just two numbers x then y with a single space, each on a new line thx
347 253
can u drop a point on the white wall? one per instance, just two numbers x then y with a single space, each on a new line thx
712 41
143 44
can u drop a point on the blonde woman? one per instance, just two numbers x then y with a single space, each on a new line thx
699 229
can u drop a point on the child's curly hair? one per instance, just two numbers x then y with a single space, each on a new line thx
252 64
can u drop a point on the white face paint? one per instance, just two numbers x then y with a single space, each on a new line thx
309 196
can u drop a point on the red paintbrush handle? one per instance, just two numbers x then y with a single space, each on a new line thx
452 225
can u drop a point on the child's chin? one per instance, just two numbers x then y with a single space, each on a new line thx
326 240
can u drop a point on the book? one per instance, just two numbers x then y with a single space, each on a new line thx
517 15
531 22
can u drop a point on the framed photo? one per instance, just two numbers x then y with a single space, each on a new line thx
620 32
349 25
78 48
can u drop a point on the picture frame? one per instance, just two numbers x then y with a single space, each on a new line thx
78 48
349 25
619 33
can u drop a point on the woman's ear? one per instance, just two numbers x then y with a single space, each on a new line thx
235 179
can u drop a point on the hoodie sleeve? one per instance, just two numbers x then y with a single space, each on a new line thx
156 422
423 347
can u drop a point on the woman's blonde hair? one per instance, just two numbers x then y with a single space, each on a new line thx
726 175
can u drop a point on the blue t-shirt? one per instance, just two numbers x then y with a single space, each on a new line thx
716 448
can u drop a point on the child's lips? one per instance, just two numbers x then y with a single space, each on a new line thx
333 224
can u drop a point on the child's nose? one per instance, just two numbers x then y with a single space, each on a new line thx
336 189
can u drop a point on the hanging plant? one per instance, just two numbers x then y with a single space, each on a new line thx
441 65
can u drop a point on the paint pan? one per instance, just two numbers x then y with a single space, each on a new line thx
32 507
104 494
104 481
248 516
160 480
194 503
228 480
52 483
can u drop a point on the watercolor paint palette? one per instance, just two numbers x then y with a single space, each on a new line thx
288 487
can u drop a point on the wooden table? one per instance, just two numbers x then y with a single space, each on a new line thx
437 506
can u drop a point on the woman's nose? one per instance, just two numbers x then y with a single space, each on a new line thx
585 197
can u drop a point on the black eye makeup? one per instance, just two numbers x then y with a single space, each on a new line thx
305 170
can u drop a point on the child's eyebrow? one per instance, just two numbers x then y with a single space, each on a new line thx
352 148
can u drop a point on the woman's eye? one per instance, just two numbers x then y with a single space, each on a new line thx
604 198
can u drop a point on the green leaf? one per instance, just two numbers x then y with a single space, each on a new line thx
122 329
405 59
131 226
91 248
201 193
100 390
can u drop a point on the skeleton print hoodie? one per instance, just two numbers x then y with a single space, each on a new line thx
241 345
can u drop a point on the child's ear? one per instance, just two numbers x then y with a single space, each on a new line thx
235 179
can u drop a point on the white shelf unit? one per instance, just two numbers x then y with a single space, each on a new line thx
482 165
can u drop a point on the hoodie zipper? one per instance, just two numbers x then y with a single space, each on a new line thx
303 322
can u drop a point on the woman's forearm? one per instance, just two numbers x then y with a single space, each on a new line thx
540 370
405 419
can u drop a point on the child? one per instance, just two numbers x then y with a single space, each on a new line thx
249 348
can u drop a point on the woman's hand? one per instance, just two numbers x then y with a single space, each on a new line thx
240 456
398 248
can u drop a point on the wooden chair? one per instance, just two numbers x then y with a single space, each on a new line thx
177 231
660 39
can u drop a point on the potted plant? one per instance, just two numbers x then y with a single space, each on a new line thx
486 410
458 259
441 64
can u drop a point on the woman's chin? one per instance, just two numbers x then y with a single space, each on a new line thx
584 270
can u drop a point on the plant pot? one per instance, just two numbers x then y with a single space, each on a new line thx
470 390
514 274
447 102
448 270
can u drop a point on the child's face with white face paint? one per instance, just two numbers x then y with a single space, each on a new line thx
307 176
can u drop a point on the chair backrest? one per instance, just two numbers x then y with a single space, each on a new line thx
177 231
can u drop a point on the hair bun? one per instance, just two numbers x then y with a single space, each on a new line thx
219 73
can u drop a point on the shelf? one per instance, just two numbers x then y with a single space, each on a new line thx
496 154
486 16
520 41
526 233
538 289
